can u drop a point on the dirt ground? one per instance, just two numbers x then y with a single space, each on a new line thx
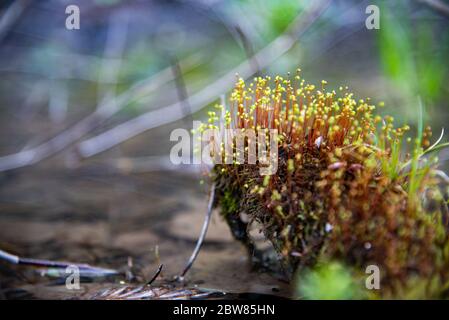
131 222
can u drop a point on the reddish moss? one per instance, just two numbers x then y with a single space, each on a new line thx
343 189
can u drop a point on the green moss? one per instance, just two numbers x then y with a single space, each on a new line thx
229 204
328 281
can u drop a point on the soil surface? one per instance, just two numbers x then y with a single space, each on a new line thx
130 222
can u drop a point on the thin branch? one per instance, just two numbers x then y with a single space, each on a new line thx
85 269
235 29
200 241
158 272
117 35
5 256
442 175
11 15
249 48
152 163
181 88
437 5
145 292
155 118
81 70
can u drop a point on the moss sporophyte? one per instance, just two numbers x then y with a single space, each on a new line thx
344 189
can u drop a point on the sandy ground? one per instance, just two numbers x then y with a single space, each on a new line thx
116 220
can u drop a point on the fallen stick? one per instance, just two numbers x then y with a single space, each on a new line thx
85 269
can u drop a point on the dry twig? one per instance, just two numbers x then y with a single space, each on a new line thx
437 5
85 269
11 15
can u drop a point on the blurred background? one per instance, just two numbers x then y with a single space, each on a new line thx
86 116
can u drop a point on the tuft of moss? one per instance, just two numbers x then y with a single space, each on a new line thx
344 189
327 281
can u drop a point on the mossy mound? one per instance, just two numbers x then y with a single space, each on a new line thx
343 188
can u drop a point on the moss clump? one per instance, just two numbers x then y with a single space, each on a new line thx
343 189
